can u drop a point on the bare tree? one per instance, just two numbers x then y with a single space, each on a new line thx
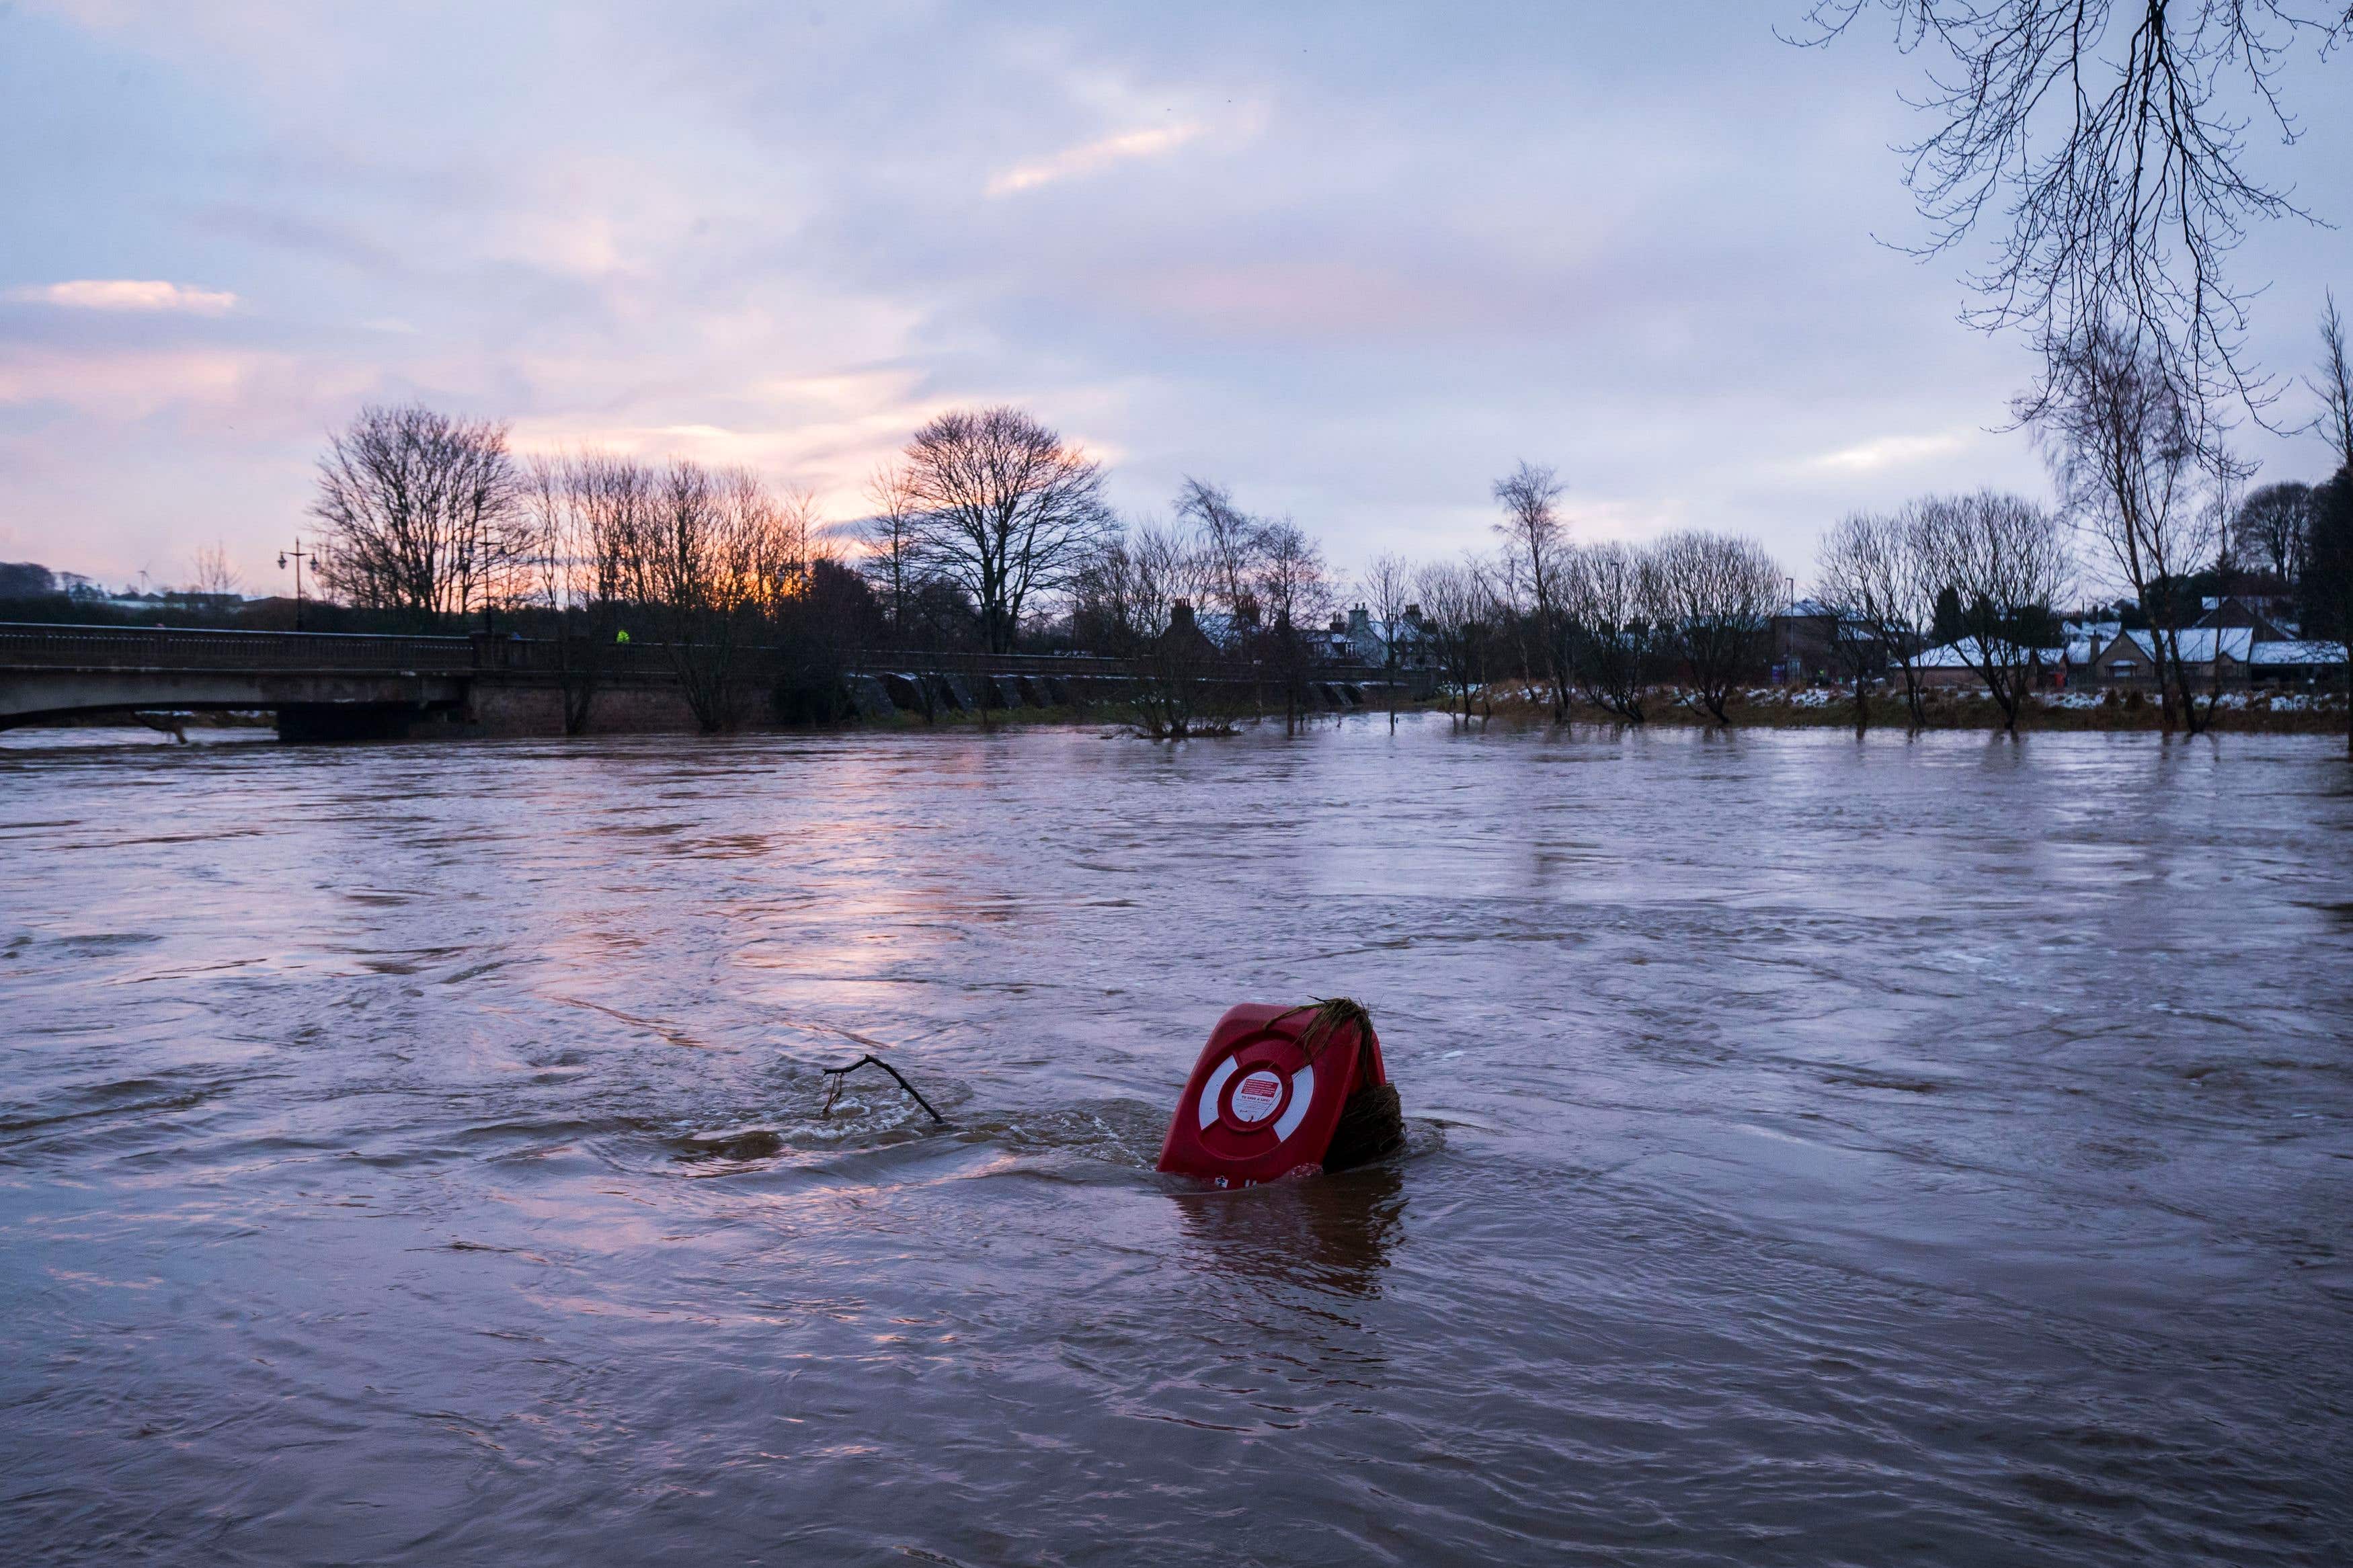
2334 383
1139 596
1005 508
2269 531
2006 564
1294 593
418 513
1852 576
2324 591
582 515
2111 137
211 573
714 560
1233 541
1717 595
549 502
1458 607
924 613
1868 577
1614 612
1235 545
1532 542
2129 465
1387 588
1512 605
893 537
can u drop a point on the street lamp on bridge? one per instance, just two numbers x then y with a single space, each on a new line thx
296 554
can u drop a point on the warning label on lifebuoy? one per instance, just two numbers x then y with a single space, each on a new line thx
1256 1096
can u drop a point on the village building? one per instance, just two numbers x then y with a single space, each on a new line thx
1409 637
2265 614
1956 664
2109 657
2289 661
2129 660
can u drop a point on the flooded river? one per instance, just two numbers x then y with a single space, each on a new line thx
1927 1151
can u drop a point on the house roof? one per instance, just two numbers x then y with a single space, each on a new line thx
1964 655
2272 653
2197 643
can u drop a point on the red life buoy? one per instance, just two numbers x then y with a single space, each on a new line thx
1266 1095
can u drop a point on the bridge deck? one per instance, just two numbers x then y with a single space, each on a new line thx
33 645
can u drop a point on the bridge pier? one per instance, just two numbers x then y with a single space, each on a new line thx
321 721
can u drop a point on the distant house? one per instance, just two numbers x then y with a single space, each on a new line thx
1186 638
2121 660
2288 662
1331 645
2260 613
2086 636
1230 630
1408 636
2208 653
2234 656
2230 656
1956 664
1806 644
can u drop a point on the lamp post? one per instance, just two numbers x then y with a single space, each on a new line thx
296 554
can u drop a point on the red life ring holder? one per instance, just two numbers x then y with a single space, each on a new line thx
1259 1104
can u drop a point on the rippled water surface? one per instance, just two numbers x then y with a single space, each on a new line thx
1925 1152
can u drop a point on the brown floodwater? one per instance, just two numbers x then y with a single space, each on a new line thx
1930 1151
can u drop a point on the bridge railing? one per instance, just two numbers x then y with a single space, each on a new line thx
38 646
168 648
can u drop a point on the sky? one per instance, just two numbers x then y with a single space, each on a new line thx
1353 262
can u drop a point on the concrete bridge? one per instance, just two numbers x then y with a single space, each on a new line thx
333 686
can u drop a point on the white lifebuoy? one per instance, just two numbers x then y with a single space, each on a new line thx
1302 1091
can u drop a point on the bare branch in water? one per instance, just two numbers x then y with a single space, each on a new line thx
838 1073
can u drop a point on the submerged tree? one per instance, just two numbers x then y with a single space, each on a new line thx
1868 577
1293 593
2005 563
2127 456
1717 596
1533 545
1387 588
1139 598
1458 608
1615 608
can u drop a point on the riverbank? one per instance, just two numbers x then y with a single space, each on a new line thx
2243 712
2239 712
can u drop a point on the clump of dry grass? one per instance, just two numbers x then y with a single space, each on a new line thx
1372 1122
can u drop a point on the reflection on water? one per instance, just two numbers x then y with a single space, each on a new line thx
1332 1234
1930 1151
